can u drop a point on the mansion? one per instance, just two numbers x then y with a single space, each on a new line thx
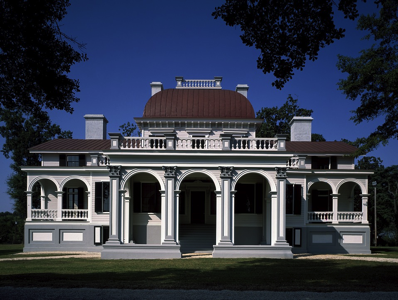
196 180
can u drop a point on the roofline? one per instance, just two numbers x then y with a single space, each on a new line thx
219 120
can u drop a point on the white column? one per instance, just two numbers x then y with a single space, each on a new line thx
365 208
281 203
59 205
127 220
267 221
233 216
226 207
169 225
274 217
29 205
114 209
218 216
177 195
42 198
89 206
122 216
335 198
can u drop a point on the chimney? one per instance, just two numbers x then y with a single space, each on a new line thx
242 89
300 129
156 87
95 127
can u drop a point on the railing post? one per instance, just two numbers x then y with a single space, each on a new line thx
281 141
170 141
226 141
115 137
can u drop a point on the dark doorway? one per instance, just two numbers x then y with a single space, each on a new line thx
198 207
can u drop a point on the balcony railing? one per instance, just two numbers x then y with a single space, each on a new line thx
159 143
66 214
342 216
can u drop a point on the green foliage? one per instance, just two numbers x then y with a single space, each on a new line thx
387 198
316 137
11 228
276 120
128 129
373 76
286 32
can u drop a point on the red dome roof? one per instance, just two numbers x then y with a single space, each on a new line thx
198 103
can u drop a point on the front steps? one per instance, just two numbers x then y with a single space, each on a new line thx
197 238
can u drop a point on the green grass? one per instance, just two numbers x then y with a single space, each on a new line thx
15 251
205 273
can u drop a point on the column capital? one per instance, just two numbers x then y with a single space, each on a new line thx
114 171
281 173
169 171
226 172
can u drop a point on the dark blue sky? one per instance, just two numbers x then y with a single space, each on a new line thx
132 43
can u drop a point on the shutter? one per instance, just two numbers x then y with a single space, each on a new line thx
64 202
62 160
98 197
297 199
105 196
82 160
333 163
289 199
80 198
137 197
259 198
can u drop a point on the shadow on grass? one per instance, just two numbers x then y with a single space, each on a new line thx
211 274
9 249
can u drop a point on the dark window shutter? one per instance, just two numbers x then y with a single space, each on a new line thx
333 162
289 199
62 160
259 198
105 196
82 160
98 197
64 195
80 198
137 197
297 199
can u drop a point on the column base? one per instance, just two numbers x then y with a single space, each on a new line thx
140 251
113 240
260 251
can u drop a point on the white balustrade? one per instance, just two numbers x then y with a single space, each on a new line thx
44 214
350 216
198 143
142 143
320 216
198 83
293 163
259 144
74 214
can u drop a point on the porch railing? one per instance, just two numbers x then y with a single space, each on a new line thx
342 216
143 143
198 143
44 214
74 214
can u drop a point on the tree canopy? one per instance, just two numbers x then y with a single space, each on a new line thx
277 119
373 76
286 32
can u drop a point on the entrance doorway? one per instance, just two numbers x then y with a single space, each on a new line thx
198 207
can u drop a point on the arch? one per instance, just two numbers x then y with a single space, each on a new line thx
357 181
133 172
74 177
191 171
38 178
311 182
260 172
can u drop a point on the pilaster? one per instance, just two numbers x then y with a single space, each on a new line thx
226 207
281 206
29 205
335 208
59 205
169 214
114 209
365 198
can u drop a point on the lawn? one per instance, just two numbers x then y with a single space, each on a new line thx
204 273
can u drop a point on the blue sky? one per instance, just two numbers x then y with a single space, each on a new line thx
133 43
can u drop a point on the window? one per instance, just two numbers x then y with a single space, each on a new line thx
319 162
248 198
73 198
101 197
146 197
72 160
293 199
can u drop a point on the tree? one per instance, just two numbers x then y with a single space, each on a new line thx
286 32
35 58
20 134
373 77
386 179
127 129
276 120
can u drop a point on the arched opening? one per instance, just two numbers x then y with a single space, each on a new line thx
74 200
350 203
250 210
197 214
144 209
44 200
320 203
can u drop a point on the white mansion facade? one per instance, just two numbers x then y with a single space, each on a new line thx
197 180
